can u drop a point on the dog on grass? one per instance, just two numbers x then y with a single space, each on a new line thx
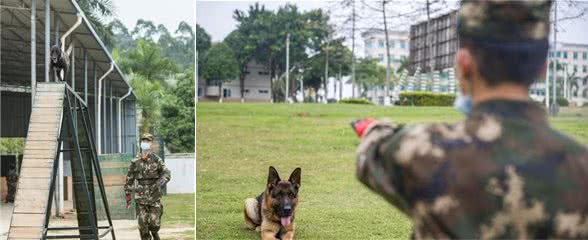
272 212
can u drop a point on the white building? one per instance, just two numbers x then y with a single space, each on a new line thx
574 55
375 46
256 87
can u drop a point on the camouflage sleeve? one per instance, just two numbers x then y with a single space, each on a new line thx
164 172
131 176
373 169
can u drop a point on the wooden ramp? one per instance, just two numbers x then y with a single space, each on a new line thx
37 165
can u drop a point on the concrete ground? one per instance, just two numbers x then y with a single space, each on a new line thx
124 229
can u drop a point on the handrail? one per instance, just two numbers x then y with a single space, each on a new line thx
99 99
69 31
76 95
120 119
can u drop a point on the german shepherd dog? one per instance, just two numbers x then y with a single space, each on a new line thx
272 212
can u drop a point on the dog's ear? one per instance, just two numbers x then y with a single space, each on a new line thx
295 177
273 177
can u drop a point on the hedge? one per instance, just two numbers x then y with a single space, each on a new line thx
562 102
425 99
356 101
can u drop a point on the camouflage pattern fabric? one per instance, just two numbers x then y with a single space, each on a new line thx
149 218
518 20
12 182
144 178
502 173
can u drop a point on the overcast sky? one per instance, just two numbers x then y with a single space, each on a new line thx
169 12
216 17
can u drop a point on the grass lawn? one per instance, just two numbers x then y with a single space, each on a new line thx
178 213
236 143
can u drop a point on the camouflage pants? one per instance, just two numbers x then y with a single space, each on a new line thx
11 192
149 221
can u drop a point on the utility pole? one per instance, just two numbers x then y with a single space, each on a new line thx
387 85
326 69
287 66
353 51
554 92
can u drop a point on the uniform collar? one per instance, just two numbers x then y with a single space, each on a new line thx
529 111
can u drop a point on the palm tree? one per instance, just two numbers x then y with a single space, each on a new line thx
96 11
148 95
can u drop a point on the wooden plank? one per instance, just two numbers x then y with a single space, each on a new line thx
33 146
40 163
42 137
36 171
27 220
33 183
25 233
41 152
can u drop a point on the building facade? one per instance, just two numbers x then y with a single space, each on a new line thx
375 46
572 55
256 86
433 43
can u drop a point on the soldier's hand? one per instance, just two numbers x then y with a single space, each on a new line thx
360 125
128 199
163 181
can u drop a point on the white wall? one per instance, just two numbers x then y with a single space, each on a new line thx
183 169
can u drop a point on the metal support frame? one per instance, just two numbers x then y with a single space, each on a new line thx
99 116
111 119
86 75
33 50
78 104
47 37
120 114
69 31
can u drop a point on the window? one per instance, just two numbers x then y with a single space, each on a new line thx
263 91
584 69
565 54
575 68
584 55
392 43
226 92
368 44
381 43
199 91
402 44
550 54
575 55
246 90
558 55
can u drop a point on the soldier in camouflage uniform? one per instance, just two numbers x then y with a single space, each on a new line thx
12 182
503 172
150 174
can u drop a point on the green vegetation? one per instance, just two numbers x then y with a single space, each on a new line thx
356 101
178 212
426 99
238 142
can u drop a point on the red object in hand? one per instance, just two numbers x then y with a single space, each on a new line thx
360 125
128 199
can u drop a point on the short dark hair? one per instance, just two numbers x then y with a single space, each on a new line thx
513 62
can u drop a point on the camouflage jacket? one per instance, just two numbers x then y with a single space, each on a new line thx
501 173
147 174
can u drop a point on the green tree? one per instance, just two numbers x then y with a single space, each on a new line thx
96 11
177 112
369 74
146 60
148 95
202 46
220 66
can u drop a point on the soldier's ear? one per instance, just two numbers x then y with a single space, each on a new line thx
273 177
295 177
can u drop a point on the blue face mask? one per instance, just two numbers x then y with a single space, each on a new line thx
145 146
463 103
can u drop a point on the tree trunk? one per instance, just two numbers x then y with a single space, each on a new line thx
220 92
242 85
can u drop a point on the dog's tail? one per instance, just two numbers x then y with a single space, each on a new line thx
251 212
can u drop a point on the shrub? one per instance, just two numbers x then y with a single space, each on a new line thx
356 101
562 102
425 99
